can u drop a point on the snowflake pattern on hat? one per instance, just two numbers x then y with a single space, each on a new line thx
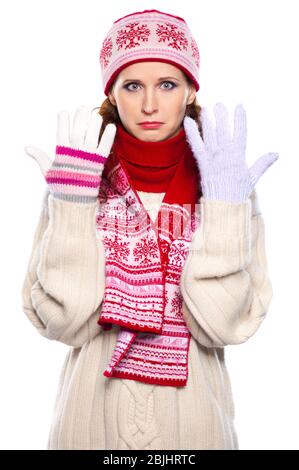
149 35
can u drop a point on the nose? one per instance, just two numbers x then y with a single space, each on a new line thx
149 103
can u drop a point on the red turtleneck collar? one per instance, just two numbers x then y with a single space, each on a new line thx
150 165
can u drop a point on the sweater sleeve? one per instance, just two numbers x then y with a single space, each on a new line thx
65 280
225 283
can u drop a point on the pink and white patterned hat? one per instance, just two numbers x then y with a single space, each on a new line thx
149 35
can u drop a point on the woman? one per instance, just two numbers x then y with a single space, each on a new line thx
149 256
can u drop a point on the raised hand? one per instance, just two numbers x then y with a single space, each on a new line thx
75 173
220 156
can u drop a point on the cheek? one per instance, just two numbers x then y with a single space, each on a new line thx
177 103
126 106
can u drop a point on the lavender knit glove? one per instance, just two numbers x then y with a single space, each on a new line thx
75 173
221 157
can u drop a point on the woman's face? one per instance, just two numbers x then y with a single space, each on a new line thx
141 95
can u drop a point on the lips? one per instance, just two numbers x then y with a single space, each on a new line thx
150 125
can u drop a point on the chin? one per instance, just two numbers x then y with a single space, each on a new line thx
153 134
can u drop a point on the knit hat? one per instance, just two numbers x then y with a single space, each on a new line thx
149 35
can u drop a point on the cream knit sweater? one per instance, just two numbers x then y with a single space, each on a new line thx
226 292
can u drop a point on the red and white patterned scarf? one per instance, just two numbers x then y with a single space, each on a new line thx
143 263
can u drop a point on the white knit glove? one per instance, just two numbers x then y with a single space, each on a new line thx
221 157
75 173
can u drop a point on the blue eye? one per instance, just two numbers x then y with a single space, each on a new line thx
128 84
135 83
174 85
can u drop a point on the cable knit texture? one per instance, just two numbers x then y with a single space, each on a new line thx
226 291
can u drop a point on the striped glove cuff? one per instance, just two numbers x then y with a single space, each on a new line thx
75 175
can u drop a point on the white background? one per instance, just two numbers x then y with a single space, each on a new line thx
49 61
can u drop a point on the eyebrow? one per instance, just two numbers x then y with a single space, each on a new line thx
139 81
